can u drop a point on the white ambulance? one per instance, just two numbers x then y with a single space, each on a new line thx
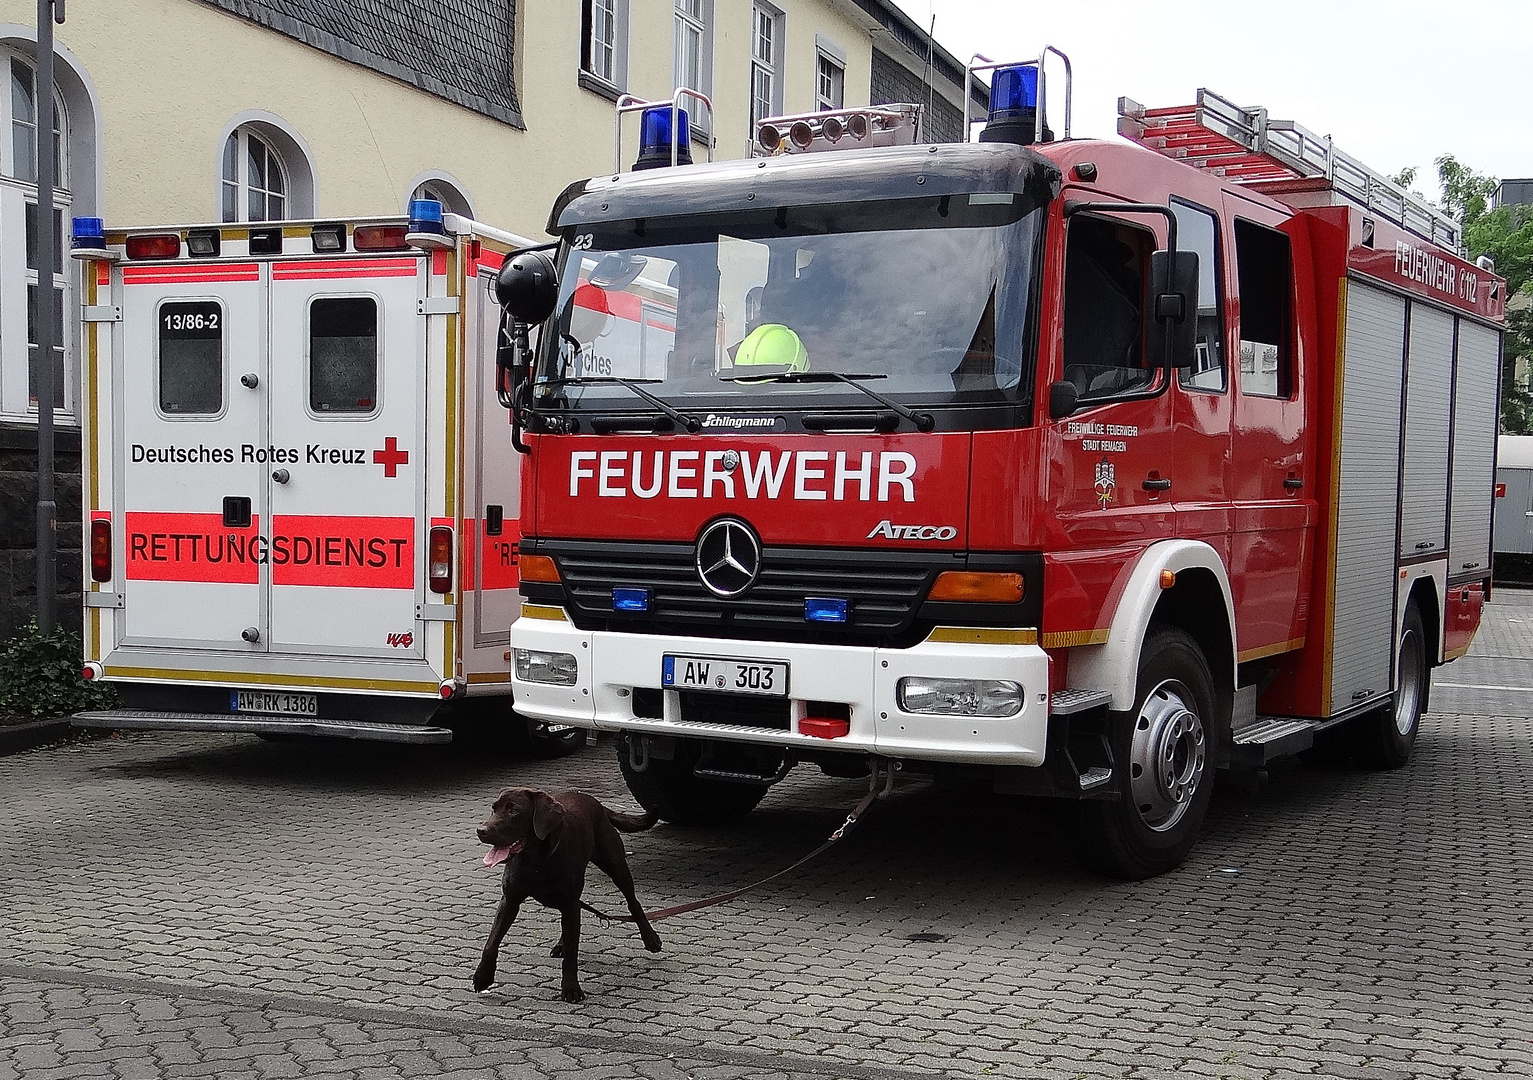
300 492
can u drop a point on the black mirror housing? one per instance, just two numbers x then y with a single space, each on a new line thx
1173 307
527 286
1063 399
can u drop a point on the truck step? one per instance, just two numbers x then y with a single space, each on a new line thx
1270 737
139 720
1066 702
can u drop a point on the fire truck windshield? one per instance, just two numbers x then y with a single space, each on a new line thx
928 296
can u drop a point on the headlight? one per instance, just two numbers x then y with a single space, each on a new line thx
557 668
959 697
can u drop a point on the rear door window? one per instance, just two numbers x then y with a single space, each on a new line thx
343 355
191 358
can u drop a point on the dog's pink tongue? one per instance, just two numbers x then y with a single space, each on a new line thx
496 856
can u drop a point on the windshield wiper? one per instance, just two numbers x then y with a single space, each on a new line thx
690 423
923 421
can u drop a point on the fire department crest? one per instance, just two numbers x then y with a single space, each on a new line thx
1106 482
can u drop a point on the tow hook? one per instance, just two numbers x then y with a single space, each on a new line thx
638 753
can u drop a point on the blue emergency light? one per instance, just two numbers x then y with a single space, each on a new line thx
426 216
655 138
1014 107
630 600
87 234
827 609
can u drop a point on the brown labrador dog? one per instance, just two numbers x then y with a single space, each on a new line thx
546 842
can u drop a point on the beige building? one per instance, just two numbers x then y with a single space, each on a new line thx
181 111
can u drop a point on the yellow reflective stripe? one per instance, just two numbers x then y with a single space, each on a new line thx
328 682
981 635
538 611
1069 639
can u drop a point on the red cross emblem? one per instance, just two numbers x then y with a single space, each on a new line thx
391 456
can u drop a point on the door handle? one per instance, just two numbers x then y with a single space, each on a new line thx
1157 483
250 380
1293 483
281 476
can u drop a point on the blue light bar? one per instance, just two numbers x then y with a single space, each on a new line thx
827 609
88 233
636 600
426 216
1013 89
655 138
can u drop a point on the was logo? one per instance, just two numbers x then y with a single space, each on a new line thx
401 641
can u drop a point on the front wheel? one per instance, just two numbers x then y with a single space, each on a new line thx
1388 735
1162 753
671 790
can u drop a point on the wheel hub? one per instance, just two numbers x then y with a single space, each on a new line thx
1168 756
1408 693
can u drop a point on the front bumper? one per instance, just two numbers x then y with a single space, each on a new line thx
612 665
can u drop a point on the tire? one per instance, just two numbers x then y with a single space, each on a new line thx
671 790
1163 765
1387 736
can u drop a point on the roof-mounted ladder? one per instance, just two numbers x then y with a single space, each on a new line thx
1278 156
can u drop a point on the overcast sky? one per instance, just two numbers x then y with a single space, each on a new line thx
1395 84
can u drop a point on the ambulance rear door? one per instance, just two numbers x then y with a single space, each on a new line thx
189 497
347 400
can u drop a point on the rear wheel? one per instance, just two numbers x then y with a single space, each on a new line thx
1163 770
673 791
1388 735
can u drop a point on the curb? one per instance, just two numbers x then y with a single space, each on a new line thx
14 739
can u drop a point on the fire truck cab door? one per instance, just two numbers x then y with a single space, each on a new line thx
347 398
189 497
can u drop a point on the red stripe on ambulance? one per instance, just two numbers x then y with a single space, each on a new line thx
192 547
175 275
351 268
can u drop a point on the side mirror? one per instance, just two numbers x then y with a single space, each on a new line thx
1063 399
1173 326
527 287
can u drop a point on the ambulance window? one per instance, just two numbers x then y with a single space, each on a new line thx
343 355
1197 230
1105 269
192 358
1266 283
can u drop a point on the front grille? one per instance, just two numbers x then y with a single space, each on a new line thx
736 710
886 590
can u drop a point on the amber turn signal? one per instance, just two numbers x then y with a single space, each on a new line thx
537 568
970 587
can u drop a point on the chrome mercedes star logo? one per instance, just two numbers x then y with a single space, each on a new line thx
728 557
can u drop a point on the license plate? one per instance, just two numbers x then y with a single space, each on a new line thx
766 677
273 703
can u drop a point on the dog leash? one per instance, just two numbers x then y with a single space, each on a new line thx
874 792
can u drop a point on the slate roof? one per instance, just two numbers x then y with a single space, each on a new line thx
460 50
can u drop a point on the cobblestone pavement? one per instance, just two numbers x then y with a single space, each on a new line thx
220 906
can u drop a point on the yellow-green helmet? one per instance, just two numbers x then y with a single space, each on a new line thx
772 345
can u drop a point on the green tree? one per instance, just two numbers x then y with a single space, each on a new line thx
1505 233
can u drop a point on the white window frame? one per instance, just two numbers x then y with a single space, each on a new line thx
694 19
16 278
766 63
835 97
240 183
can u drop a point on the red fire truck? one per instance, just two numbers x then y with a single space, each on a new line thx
1094 466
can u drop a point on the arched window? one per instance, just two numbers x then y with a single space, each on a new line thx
441 188
18 162
255 185
21 163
